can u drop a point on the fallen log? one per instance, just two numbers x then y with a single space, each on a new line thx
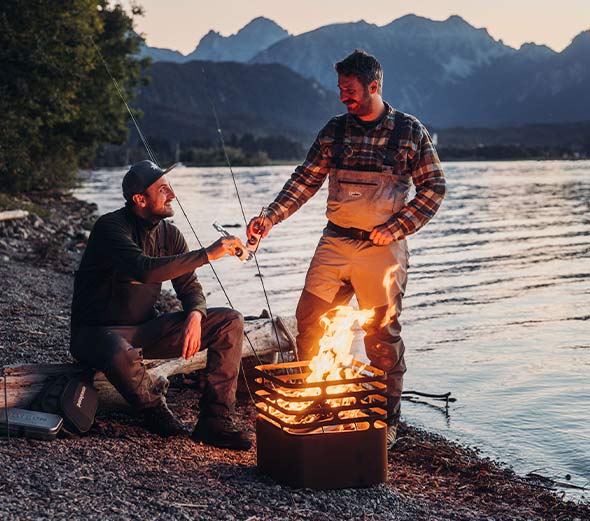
21 383
9 215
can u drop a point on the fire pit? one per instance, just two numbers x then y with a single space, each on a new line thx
321 433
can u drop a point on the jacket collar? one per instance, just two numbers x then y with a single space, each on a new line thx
141 223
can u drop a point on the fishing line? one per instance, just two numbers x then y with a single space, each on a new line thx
213 109
154 159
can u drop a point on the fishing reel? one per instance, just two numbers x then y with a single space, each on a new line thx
251 244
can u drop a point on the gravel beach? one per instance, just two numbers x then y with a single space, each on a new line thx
121 471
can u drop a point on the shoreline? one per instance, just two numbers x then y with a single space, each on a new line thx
144 475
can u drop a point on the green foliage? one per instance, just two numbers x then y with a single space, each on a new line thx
57 100
215 156
11 202
246 150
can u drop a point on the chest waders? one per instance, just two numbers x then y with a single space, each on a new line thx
346 262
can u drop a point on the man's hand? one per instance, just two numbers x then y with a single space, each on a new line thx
224 246
191 335
381 236
259 225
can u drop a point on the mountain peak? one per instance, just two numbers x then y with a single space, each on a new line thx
580 45
457 21
264 25
533 50
582 39
262 20
408 19
256 35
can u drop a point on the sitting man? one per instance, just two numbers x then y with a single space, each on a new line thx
130 253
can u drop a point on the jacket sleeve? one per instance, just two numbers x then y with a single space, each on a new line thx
188 289
114 239
429 180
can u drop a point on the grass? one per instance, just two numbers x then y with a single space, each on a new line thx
14 202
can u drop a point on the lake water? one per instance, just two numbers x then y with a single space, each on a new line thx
497 308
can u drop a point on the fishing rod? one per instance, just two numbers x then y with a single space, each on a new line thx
252 244
154 159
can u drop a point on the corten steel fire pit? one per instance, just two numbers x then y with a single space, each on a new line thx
322 435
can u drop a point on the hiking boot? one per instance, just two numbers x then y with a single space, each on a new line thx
391 435
220 432
160 420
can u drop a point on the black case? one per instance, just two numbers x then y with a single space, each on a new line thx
72 397
30 424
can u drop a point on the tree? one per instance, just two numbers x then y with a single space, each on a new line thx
57 100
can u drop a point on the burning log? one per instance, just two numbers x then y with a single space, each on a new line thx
23 382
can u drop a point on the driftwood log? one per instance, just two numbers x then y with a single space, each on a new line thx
9 215
21 383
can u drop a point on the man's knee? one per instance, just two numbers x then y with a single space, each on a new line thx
122 355
309 310
386 353
234 320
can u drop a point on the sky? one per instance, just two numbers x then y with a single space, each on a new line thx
180 24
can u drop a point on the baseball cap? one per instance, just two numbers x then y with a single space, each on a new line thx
140 176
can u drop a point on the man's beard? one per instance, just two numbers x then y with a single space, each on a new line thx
361 107
163 213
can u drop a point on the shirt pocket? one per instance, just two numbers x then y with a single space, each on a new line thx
398 163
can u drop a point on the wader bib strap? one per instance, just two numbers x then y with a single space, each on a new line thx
391 147
395 136
338 144
364 198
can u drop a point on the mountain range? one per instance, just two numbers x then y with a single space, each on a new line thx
182 101
448 73
257 35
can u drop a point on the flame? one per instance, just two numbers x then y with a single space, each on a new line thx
334 356
388 281
333 362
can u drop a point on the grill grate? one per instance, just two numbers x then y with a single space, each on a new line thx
336 438
278 392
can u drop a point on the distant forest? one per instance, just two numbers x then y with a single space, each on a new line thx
246 150
538 141
546 141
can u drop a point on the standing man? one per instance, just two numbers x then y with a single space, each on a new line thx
130 253
372 155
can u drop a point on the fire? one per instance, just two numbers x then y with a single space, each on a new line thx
388 281
333 361
339 393
334 357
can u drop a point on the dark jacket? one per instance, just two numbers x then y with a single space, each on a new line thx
125 262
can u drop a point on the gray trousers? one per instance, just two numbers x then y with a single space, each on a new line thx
119 351
384 345
377 275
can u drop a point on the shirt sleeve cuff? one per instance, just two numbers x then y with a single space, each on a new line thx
195 306
394 227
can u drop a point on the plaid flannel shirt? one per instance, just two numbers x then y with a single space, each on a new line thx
367 147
